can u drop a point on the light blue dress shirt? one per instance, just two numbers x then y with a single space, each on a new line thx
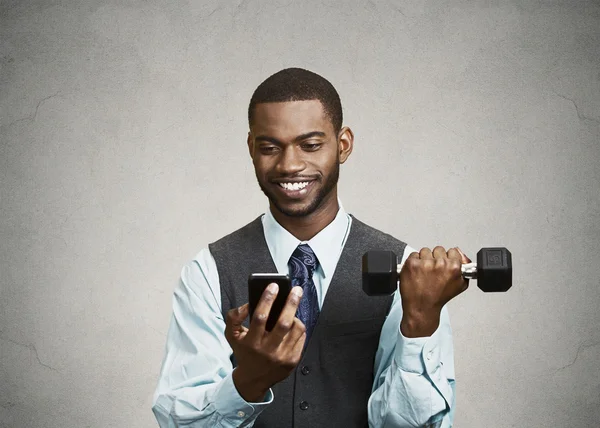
414 377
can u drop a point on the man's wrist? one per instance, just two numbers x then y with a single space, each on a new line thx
249 388
419 324
232 407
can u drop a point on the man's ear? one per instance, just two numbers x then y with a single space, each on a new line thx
250 142
345 143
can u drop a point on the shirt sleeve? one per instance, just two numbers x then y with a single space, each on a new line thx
414 383
195 387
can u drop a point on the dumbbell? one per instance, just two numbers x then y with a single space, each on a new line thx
493 271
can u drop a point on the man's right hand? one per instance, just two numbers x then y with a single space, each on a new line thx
265 358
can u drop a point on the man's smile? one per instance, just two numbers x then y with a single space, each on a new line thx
294 189
294 186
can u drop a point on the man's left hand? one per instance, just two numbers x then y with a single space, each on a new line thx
429 280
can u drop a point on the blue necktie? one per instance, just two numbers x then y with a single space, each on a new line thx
302 265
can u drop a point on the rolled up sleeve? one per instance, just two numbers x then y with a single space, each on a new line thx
414 377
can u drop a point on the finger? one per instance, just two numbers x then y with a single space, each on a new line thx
236 316
298 346
242 311
465 259
286 318
234 319
413 255
454 254
261 313
295 334
439 252
425 254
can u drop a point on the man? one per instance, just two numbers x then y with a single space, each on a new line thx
376 361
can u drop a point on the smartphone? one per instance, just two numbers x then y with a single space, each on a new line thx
257 282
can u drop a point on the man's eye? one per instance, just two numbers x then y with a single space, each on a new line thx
311 146
268 149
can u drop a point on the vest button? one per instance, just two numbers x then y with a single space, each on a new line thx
305 370
303 405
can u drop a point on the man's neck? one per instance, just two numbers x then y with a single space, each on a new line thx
305 228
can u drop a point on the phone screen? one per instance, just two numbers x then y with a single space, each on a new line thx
257 282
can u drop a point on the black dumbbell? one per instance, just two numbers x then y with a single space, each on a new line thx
493 271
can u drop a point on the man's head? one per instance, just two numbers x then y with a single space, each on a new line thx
297 142
297 84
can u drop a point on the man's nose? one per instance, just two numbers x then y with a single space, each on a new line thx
291 161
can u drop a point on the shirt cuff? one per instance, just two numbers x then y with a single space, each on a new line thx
232 407
418 354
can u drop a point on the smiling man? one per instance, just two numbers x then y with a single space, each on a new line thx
336 357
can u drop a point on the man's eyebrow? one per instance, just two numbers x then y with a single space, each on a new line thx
310 135
301 137
268 139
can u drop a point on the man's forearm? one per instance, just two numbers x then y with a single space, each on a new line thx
419 324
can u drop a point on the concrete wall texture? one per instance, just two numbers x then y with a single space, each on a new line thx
122 154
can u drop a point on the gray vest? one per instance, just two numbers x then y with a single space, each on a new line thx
332 384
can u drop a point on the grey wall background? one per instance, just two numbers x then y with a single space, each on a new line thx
122 154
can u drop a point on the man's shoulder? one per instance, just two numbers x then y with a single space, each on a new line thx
365 232
250 231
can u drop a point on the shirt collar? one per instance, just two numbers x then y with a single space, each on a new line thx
327 244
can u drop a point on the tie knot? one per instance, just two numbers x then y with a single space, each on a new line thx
304 257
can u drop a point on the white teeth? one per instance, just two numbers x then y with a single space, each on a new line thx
294 186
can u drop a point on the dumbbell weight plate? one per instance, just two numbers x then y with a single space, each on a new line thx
494 269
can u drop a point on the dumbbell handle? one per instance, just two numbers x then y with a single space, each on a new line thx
469 270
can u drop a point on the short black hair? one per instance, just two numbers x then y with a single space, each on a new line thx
298 84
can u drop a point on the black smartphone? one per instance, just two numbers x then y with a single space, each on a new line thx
257 282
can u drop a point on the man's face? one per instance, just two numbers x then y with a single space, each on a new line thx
296 155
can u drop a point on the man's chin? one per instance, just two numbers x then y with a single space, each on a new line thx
293 211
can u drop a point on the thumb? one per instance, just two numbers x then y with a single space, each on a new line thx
243 311
235 318
465 259
239 314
